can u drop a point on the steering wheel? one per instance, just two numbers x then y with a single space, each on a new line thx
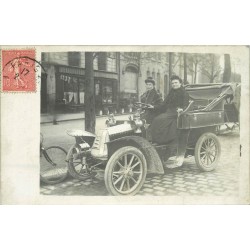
141 105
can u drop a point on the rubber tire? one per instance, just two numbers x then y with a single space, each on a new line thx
111 163
74 173
63 177
198 145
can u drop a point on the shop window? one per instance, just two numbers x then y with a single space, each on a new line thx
73 89
107 93
127 100
98 94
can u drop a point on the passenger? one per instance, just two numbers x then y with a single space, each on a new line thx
153 97
164 126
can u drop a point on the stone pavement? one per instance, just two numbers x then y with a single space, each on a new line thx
189 180
183 181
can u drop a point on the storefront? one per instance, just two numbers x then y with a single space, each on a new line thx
70 89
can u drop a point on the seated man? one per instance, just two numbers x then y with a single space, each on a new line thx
164 127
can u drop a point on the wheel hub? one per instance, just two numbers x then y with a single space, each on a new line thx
128 172
209 151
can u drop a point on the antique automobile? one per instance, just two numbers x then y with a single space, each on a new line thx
124 152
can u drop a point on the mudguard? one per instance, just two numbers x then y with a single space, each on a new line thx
69 152
154 164
82 135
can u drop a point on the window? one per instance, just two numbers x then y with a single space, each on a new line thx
153 74
111 62
130 84
74 58
107 92
102 61
104 92
95 63
73 88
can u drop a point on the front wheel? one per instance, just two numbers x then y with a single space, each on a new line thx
77 165
207 152
126 171
53 168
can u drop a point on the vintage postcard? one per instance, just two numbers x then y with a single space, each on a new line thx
124 124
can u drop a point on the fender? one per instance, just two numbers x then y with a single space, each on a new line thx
82 134
69 152
154 163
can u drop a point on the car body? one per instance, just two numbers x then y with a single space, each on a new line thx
124 152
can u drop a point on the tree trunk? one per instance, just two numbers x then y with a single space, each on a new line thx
227 68
118 63
89 93
138 74
185 68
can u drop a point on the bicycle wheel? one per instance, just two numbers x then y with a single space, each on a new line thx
53 168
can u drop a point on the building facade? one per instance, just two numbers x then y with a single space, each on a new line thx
63 85
119 79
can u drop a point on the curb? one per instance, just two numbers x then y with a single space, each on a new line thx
77 118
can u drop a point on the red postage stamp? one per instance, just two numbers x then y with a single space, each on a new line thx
19 69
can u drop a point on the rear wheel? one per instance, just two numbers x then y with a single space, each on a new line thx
53 168
126 171
207 152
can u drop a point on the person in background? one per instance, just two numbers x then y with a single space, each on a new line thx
152 97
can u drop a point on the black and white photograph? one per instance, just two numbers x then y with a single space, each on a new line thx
124 124
141 122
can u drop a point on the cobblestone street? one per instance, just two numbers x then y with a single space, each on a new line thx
183 181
